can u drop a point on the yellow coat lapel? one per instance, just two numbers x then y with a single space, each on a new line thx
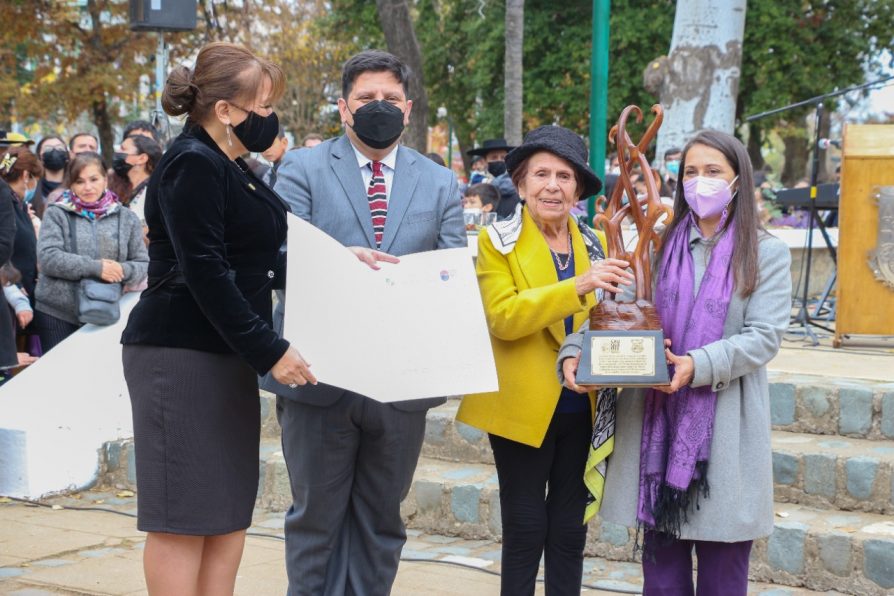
537 266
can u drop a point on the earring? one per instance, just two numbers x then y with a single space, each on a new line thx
229 139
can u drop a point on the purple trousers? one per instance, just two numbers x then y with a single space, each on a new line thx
722 567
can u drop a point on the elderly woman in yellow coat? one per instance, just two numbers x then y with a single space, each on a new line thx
539 273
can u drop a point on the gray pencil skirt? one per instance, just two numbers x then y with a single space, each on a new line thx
196 420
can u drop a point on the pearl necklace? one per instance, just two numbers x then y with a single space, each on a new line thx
568 258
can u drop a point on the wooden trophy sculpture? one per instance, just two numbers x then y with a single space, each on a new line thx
625 343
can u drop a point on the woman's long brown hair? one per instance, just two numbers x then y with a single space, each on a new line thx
742 209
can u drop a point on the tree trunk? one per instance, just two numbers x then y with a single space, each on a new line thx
515 33
796 155
754 146
397 25
702 78
103 124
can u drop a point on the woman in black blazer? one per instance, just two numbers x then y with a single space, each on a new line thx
201 332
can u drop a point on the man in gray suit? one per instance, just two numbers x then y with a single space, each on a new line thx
351 459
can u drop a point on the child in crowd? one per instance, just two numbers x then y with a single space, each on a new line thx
16 298
482 196
19 302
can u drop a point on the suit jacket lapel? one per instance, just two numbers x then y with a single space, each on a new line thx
536 264
402 186
344 165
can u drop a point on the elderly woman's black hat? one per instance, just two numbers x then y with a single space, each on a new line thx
562 142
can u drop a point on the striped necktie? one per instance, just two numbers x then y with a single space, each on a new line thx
378 201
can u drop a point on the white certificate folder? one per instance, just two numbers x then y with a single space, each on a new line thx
411 330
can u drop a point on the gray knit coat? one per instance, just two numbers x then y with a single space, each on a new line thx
120 238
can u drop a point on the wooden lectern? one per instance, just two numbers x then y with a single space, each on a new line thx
865 303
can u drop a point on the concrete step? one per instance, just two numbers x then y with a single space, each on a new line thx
834 472
269 425
450 440
819 549
829 406
817 470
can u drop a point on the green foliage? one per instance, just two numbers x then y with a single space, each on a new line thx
797 49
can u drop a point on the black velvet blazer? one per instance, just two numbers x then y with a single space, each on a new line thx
215 231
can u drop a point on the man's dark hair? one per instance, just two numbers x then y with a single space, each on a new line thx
437 159
488 193
75 136
140 125
282 132
373 61
313 136
672 151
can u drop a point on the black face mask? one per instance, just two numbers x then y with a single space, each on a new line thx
378 124
120 165
55 159
496 168
257 132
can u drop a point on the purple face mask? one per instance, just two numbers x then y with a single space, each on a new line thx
707 197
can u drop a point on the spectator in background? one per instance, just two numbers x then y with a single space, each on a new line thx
13 139
436 158
494 152
21 171
478 170
671 170
482 196
8 352
312 140
54 156
138 157
141 127
16 302
82 142
109 247
274 154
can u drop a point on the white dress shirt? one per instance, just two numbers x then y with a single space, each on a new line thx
388 163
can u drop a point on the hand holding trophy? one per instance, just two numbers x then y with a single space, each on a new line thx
624 346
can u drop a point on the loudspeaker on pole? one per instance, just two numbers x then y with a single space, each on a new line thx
162 15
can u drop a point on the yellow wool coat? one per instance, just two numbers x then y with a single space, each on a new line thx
525 307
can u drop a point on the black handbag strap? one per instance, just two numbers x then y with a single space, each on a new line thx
73 233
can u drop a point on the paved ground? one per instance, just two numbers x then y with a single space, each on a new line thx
47 550
873 360
58 550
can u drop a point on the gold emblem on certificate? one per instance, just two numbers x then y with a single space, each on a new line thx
625 345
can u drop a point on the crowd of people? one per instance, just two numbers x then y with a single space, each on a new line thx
199 229
68 217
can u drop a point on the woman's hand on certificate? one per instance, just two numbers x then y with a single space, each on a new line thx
372 257
604 274
569 369
293 370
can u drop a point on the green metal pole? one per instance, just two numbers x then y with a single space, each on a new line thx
599 92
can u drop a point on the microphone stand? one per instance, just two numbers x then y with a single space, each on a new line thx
803 317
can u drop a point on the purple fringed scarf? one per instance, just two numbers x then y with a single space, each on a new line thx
677 428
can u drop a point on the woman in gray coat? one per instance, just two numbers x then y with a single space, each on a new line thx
692 464
109 246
